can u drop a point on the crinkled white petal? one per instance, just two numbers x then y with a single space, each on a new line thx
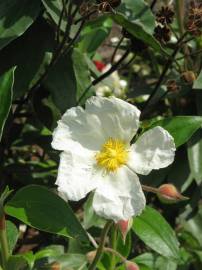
155 149
78 128
75 174
119 195
119 119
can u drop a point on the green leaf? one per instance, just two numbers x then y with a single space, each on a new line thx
147 259
17 262
54 9
139 12
68 79
12 234
93 34
82 73
30 62
198 82
90 218
156 233
165 264
61 82
42 209
180 127
6 94
193 225
138 31
15 17
195 156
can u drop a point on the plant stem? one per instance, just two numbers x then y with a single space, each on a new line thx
104 75
101 246
164 72
113 246
116 253
4 242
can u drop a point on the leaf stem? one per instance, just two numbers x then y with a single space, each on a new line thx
4 242
101 245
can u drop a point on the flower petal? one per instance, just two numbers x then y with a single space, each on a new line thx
119 195
155 149
119 118
78 128
75 174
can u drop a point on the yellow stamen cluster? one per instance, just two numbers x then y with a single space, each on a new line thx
113 155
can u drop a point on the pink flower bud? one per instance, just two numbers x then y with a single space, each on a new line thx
55 266
90 256
124 227
169 194
131 266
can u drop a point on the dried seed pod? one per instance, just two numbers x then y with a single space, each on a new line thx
165 15
163 34
172 86
194 23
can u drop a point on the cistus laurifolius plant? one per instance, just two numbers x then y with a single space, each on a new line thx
100 135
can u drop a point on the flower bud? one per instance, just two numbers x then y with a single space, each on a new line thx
124 227
169 194
55 266
189 76
131 266
91 255
99 65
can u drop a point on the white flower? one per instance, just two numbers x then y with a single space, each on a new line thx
97 156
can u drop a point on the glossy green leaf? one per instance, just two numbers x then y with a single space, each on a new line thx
198 82
139 12
6 94
180 127
195 156
156 233
138 31
15 17
42 209
94 33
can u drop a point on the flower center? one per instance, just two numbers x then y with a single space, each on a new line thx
113 155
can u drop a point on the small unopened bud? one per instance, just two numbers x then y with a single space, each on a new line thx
172 86
169 194
55 266
131 266
124 227
91 256
189 76
99 65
